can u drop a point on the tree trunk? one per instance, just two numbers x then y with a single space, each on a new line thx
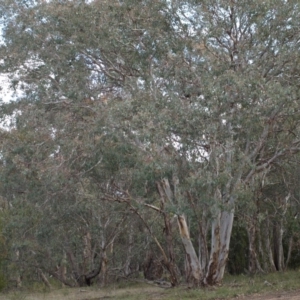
289 254
18 275
87 252
63 268
192 259
127 270
251 248
44 279
104 264
170 265
253 262
202 235
166 195
203 251
269 252
278 248
221 234
261 251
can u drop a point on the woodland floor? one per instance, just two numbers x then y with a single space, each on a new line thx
295 295
147 293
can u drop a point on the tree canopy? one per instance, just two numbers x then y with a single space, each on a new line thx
132 116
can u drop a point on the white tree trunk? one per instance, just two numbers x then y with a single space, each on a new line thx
221 234
192 259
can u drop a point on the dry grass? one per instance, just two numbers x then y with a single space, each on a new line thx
233 287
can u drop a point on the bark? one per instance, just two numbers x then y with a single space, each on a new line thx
226 229
152 267
166 195
278 233
252 253
63 268
278 247
57 276
127 270
170 264
104 266
261 252
103 246
187 270
214 252
192 259
44 279
269 252
289 254
72 260
91 275
105 242
82 279
203 251
87 252
253 262
202 235
86 279
221 233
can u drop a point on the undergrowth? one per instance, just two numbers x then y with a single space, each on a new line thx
232 287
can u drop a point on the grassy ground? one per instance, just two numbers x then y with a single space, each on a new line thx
233 287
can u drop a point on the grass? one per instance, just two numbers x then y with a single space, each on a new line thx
232 287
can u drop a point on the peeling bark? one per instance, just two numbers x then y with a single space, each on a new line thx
221 234
253 262
192 259
214 252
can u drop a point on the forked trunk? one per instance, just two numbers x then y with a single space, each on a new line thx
192 259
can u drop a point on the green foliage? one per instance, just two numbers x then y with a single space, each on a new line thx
116 96
3 256
238 256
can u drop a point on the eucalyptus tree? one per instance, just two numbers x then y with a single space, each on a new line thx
224 104
198 98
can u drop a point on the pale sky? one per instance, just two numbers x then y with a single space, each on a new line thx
6 94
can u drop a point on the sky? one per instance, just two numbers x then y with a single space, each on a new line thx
6 94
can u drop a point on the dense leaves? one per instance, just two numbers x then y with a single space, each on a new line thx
130 114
